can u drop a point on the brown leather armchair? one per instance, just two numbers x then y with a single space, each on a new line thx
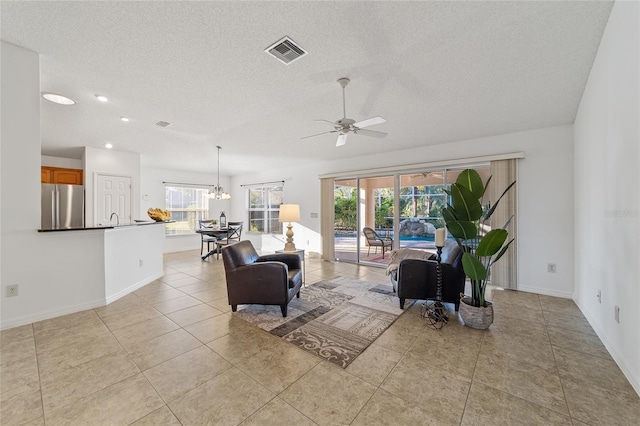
417 278
266 280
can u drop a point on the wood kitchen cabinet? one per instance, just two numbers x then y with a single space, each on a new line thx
61 175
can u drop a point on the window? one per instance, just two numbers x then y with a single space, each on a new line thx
187 206
264 209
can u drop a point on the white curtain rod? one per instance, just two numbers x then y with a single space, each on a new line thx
187 184
262 183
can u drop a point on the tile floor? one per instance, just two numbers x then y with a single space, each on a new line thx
171 353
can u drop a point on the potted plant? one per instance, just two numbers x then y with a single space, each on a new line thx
466 219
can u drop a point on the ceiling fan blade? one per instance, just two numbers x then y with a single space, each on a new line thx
365 132
369 122
342 139
318 134
321 119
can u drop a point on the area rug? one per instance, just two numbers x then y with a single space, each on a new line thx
335 319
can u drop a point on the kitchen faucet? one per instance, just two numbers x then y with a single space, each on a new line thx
117 218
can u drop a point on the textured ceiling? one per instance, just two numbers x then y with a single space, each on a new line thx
437 71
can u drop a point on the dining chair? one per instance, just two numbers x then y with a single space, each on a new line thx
234 232
205 238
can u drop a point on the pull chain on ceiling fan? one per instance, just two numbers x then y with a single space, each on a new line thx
345 125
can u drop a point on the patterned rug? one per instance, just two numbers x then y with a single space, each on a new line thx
336 319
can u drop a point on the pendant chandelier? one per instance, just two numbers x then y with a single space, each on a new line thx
216 191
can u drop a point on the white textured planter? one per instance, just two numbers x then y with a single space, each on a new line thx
476 317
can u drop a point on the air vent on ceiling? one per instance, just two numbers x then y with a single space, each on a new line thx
163 124
286 50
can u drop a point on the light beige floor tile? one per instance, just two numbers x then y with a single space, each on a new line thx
531 312
489 406
119 320
170 277
570 322
16 333
214 328
399 337
276 413
591 370
516 297
191 315
14 350
36 422
343 395
534 349
277 366
154 351
210 295
145 330
154 287
185 372
118 404
65 321
161 296
521 378
180 282
227 399
588 344
162 416
20 408
67 386
19 377
456 357
559 304
244 343
194 288
172 305
374 364
77 353
386 409
221 304
54 338
596 405
414 379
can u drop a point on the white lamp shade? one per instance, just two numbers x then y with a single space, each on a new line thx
289 213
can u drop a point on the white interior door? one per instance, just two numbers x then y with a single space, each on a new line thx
113 196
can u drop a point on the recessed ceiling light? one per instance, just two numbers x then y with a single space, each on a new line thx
108 145
124 119
58 99
102 98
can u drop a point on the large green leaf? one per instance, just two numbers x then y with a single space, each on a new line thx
471 180
464 230
465 205
491 242
495 205
502 252
448 214
473 268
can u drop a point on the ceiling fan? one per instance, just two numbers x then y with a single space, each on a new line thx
345 125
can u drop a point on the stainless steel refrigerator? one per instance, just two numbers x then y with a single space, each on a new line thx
62 206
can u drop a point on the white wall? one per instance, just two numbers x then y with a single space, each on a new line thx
545 197
110 162
607 205
68 163
153 195
37 262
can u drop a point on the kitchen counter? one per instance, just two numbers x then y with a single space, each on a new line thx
89 228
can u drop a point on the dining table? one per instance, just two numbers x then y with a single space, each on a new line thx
216 232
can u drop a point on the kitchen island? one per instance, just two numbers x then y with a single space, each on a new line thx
85 268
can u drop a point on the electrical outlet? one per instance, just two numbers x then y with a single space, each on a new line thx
599 296
616 314
141 263
12 290
551 267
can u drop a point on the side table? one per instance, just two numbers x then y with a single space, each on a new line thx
300 253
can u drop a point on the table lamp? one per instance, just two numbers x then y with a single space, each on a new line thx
289 213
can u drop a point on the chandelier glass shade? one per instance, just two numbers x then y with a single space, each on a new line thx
216 191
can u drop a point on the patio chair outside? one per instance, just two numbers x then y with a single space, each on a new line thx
375 240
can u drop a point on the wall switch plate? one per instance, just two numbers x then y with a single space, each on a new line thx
141 263
551 267
12 290
616 313
314 215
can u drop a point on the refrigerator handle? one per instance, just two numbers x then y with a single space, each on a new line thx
55 209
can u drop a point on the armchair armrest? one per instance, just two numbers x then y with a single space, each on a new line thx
291 260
